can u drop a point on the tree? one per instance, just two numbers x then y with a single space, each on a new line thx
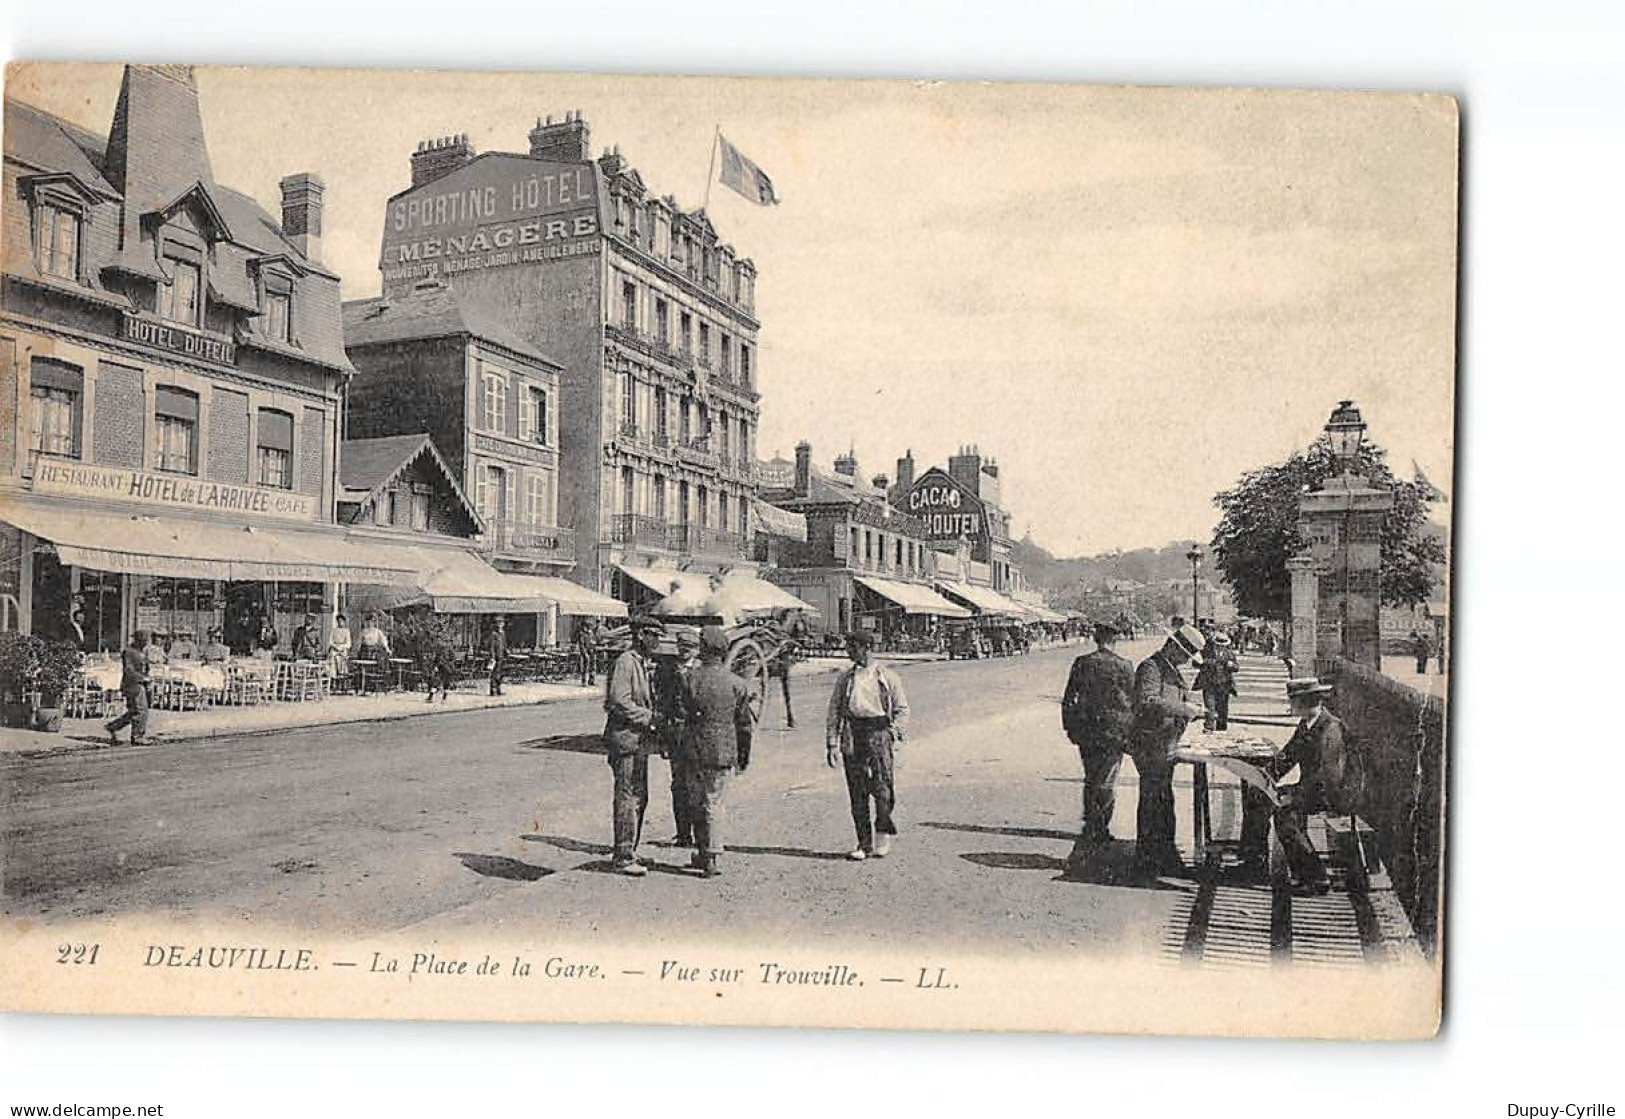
1258 531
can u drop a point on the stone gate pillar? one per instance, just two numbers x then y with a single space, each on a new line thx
1342 524
1305 605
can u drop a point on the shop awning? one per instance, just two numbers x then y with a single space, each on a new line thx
986 600
187 549
746 592
779 522
571 598
913 598
661 580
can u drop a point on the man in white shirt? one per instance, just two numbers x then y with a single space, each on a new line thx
868 713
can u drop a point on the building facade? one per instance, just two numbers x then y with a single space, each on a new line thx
864 564
963 503
650 316
432 360
171 369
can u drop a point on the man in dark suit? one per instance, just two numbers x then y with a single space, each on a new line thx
631 730
1216 680
1097 712
1318 749
717 725
496 652
1162 711
134 686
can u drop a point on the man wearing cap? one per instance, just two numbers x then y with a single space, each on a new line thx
1162 711
496 652
1319 750
868 714
1097 711
631 726
668 690
717 724
134 684
1216 680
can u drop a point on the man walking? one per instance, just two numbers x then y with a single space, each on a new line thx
1216 680
631 727
496 652
1319 750
134 687
717 726
1162 711
868 715
1423 648
790 652
1097 711
587 651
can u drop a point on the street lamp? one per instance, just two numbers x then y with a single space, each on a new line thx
1195 556
1345 430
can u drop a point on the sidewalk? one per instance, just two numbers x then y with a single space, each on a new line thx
216 722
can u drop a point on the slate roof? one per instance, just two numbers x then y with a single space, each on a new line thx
431 310
368 465
36 137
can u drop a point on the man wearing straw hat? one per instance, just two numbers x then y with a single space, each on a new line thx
1162 711
1318 749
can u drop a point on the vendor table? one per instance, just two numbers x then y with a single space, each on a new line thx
1241 752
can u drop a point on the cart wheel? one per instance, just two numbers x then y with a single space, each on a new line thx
747 661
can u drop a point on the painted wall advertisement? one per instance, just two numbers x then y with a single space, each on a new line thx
946 511
497 210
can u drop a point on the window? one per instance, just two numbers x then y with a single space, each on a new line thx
494 411
662 328
178 300
493 495
276 449
56 395
744 365
420 508
899 554
628 490
536 499
704 503
662 427
705 344
726 427
279 315
727 355
629 305
744 515
533 416
660 497
685 332
682 503
383 511
685 426
629 402
722 511
703 429
175 430
853 551
56 241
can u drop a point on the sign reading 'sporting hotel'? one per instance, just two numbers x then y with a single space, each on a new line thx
75 479
497 211
177 340
945 510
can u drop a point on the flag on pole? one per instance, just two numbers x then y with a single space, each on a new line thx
744 177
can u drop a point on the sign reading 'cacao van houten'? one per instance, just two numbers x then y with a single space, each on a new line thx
178 340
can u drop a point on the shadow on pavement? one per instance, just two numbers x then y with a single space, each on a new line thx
1015 860
791 852
569 743
1018 833
565 843
500 866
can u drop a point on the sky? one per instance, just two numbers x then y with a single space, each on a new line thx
1125 296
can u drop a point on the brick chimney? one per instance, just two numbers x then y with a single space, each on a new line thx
880 482
435 159
905 471
565 140
611 162
803 468
847 465
302 213
966 468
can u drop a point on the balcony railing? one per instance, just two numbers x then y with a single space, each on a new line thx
699 540
636 528
511 536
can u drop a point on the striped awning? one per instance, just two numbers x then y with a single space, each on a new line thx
779 522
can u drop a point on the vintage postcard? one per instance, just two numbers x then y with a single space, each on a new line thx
867 554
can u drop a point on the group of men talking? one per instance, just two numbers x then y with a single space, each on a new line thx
695 712
1111 708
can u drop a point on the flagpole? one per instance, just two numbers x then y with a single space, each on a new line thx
711 173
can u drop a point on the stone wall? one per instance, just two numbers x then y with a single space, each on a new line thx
1401 732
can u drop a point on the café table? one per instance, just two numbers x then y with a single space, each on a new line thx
1241 752
363 667
400 664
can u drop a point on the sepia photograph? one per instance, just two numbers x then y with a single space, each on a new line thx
741 551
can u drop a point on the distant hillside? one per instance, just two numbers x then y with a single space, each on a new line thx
1154 566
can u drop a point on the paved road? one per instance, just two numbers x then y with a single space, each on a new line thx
499 819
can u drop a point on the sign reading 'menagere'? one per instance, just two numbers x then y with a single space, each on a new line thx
76 479
222 351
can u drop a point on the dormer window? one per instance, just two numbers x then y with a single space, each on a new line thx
179 301
278 315
56 239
